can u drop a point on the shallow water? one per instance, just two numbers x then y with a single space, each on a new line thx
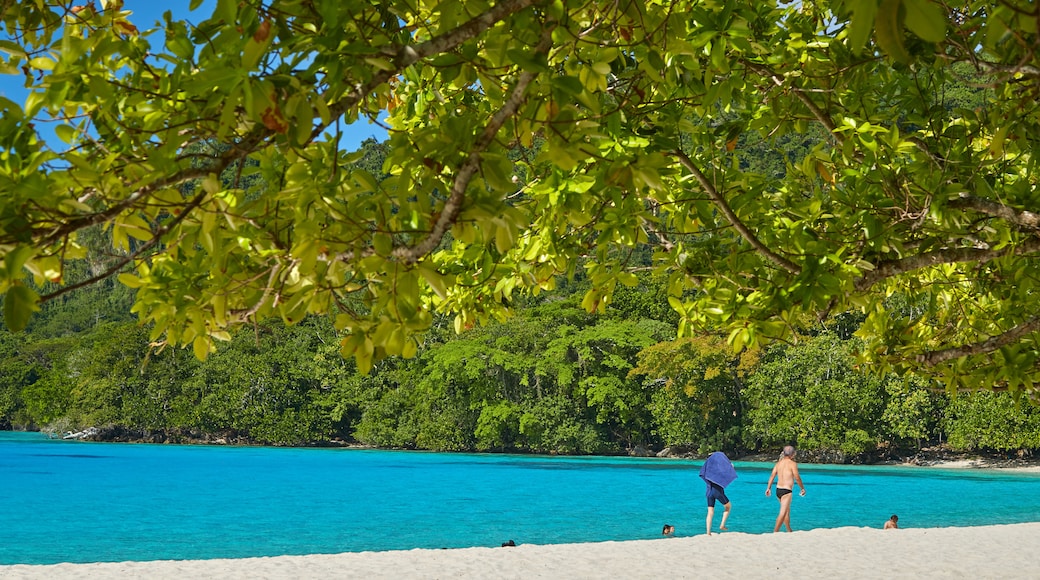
66 501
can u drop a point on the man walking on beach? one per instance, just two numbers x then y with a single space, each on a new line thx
786 473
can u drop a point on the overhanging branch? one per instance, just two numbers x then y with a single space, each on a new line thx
457 195
156 236
220 164
801 95
747 234
991 344
891 268
1023 219
402 57
405 56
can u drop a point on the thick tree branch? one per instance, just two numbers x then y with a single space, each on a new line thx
457 195
890 268
991 344
723 206
1023 219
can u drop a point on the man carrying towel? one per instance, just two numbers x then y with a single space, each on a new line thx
717 472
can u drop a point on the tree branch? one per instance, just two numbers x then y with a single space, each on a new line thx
800 93
220 164
156 236
456 196
991 344
403 57
721 203
1024 219
407 55
890 268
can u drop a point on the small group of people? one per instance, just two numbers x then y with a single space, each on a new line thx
718 472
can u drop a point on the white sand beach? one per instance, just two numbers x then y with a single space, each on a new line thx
999 551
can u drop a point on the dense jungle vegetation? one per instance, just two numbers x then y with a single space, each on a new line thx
554 379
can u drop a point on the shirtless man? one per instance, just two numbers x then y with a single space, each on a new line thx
786 473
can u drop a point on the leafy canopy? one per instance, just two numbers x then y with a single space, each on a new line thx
527 139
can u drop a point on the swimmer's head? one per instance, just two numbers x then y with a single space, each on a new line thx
789 451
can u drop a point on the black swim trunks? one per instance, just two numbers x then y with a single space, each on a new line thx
781 492
715 492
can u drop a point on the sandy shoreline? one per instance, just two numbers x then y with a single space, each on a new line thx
1003 551
1014 465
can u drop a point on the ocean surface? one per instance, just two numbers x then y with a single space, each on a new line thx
71 501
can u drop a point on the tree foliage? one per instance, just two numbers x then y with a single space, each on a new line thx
992 421
695 386
626 116
810 393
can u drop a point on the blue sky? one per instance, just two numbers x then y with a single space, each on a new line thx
148 14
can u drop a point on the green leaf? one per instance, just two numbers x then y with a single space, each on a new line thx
926 19
527 60
295 309
253 51
504 239
861 24
888 30
66 133
180 45
19 304
129 280
569 84
201 346
718 55
497 170
15 259
12 48
42 63
382 243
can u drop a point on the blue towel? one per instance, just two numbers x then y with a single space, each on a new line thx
718 469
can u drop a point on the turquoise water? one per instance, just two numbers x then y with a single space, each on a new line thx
92 502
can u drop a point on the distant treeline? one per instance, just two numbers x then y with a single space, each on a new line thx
553 379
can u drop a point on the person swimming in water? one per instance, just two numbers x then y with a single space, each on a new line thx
786 474
892 523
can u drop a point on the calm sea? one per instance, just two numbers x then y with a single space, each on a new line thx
93 502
